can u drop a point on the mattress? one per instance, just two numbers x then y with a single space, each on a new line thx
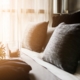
42 70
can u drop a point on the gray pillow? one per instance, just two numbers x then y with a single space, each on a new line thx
63 49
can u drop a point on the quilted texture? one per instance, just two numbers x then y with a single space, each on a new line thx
63 49
34 36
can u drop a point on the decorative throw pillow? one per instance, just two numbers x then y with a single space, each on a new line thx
34 36
63 49
14 69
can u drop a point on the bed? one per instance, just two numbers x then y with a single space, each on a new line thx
41 69
38 72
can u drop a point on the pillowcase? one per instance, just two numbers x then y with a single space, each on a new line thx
63 49
14 69
67 18
34 36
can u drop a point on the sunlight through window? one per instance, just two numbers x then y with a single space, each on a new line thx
16 14
5 3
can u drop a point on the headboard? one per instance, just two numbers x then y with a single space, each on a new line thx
67 18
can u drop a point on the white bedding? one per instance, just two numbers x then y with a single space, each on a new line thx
56 71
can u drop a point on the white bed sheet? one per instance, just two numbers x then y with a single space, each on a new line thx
53 69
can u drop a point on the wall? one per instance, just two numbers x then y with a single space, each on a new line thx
57 6
65 6
74 5
60 6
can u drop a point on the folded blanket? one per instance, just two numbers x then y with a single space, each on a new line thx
14 69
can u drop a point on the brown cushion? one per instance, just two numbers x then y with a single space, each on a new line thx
34 36
14 69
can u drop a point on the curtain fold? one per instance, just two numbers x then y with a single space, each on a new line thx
60 6
15 14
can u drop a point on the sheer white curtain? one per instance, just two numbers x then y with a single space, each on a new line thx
15 14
